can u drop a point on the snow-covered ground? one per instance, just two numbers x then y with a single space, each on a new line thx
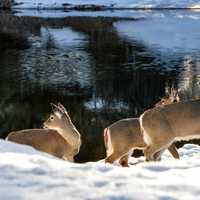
135 14
55 4
27 174
176 31
100 103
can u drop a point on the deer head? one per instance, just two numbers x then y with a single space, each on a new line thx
59 118
173 97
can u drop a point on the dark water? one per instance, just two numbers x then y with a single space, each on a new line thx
96 66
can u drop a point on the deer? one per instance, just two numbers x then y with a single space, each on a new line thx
58 137
161 126
123 136
170 97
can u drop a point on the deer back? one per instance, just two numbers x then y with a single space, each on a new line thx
45 140
126 132
182 118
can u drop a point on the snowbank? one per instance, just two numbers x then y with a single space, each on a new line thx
54 4
165 31
28 174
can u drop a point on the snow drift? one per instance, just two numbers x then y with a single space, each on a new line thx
28 174
144 4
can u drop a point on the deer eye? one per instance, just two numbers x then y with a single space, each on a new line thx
51 118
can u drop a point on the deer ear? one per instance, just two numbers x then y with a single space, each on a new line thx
62 107
56 109
172 91
177 97
53 106
64 110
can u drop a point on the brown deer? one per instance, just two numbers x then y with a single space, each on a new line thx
123 136
59 136
162 126
171 97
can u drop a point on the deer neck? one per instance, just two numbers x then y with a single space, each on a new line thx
70 134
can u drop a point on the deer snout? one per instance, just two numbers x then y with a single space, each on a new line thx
45 125
175 100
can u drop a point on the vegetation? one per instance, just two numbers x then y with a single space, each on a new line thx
6 4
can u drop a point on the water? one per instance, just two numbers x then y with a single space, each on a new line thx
101 68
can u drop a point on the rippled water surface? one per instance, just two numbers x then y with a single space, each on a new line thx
103 66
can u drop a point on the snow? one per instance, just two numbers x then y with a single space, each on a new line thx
27 174
135 14
99 103
54 4
165 32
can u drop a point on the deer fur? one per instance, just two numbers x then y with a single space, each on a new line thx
123 136
59 138
163 125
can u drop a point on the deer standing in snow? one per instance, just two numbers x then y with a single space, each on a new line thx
59 136
123 136
162 126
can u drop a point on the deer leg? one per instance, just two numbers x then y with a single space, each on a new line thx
114 156
160 137
124 160
150 153
172 149
156 148
157 155
147 154
68 158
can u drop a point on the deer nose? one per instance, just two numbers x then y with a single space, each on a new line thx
45 126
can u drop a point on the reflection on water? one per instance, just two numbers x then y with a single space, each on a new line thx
61 38
97 67
55 67
189 78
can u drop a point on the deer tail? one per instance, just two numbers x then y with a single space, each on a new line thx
107 141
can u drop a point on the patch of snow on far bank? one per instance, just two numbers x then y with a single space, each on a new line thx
135 14
28 174
171 32
54 4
